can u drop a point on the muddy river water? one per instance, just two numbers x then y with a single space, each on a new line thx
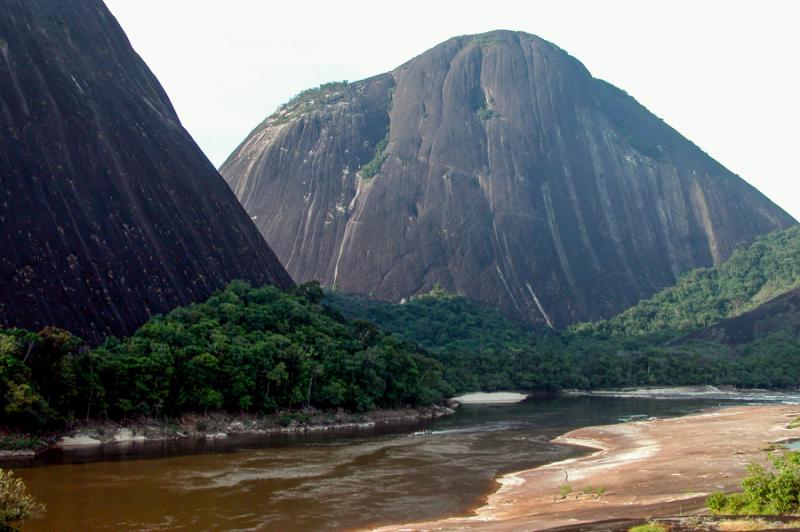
319 481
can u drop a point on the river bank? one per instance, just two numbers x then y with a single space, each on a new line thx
215 425
636 470
324 480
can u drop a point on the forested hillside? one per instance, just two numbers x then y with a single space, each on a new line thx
753 275
482 350
781 314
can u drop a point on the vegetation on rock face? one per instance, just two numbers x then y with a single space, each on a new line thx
486 39
245 349
485 113
310 99
774 490
325 93
370 169
16 504
750 277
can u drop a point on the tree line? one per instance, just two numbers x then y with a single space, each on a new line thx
244 350
480 349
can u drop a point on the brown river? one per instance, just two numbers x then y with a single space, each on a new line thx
316 482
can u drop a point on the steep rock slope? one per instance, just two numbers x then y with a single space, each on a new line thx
109 212
498 167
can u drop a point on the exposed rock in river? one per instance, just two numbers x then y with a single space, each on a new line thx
497 166
109 212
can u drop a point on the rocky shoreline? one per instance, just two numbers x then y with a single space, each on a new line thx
219 425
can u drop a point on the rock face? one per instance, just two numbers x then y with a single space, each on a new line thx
109 212
498 167
779 314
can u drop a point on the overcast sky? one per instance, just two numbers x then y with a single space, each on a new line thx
722 72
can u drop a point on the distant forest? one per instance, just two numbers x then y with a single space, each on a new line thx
259 350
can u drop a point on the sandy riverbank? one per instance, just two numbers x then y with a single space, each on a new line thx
646 469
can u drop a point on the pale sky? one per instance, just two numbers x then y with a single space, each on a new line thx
722 72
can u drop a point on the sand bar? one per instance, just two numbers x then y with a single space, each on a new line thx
647 469
490 398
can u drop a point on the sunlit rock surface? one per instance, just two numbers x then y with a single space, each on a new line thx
510 175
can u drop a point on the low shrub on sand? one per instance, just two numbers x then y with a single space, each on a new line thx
650 527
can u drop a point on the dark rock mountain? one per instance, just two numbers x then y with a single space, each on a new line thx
109 212
779 314
497 166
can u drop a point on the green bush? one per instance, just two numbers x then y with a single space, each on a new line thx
716 502
16 504
766 491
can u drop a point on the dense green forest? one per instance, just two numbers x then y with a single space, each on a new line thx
262 349
481 349
752 275
245 349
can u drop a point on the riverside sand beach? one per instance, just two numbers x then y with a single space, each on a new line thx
643 469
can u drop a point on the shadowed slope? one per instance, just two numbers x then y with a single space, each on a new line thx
109 212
